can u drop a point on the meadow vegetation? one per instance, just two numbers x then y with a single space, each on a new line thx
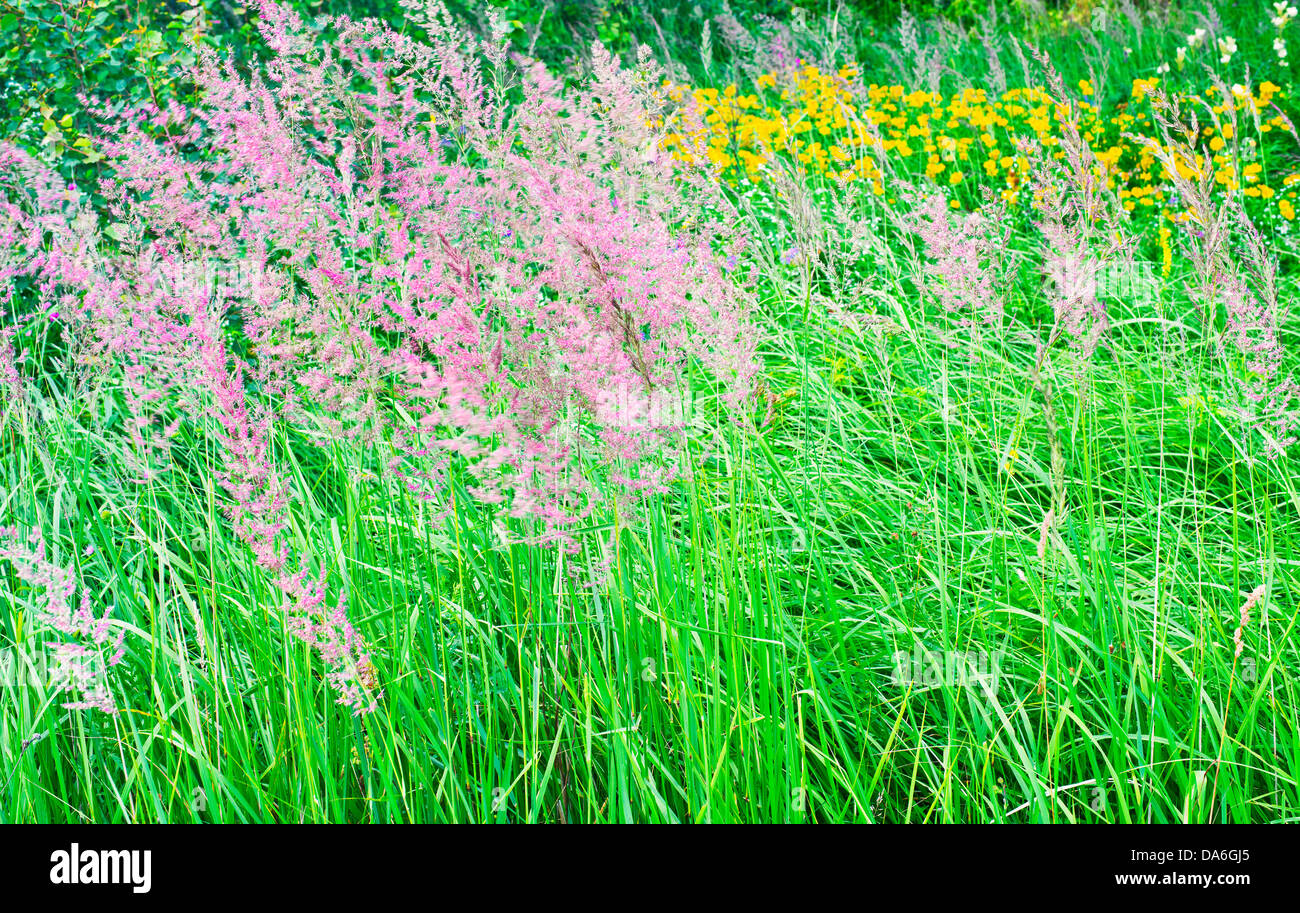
414 414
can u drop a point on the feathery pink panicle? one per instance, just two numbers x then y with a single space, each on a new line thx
11 381
1044 534
79 661
1251 601
1071 270
257 512
1271 397
964 250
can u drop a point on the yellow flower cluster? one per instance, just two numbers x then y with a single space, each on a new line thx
969 140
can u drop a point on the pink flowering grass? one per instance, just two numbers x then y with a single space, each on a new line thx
964 254
436 252
81 652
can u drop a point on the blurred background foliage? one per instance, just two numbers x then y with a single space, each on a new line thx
58 52
54 52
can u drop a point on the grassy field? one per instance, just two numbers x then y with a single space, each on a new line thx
1004 528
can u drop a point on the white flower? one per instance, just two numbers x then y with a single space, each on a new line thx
1163 68
1279 46
1194 40
1227 47
1180 57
